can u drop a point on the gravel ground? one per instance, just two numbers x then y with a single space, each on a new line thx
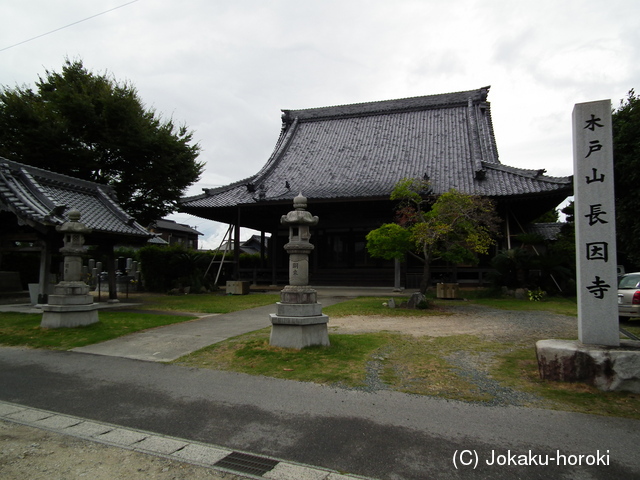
464 318
504 326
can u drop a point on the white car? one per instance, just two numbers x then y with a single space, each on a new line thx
629 296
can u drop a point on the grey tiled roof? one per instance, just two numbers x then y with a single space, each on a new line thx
164 224
45 198
363 150
548 231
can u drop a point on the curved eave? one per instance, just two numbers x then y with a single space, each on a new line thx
42 199
500 182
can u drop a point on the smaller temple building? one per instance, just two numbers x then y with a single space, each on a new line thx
175 233
34 201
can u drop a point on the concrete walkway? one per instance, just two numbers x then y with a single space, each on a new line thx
164 344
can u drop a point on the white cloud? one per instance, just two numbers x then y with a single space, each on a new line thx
226 68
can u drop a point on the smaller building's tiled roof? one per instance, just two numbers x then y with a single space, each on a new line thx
43 199
251 246
548 230
157 240
170 225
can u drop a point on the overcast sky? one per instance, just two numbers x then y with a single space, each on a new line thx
226 68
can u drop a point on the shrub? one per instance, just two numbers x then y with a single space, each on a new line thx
536 295
165 268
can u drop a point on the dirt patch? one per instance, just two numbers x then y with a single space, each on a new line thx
34 454
484 322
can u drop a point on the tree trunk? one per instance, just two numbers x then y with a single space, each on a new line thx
111 273
425 283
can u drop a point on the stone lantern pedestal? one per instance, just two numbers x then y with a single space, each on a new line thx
299 321
71 304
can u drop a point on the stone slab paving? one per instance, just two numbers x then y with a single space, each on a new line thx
177 449
287 471
201 454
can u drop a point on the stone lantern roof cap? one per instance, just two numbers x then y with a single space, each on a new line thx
299 216
300 202
74 225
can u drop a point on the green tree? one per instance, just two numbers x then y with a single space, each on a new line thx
390 241
455 227
551 216
92 127
626 154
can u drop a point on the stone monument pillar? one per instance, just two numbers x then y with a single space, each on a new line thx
599 357
71 304
299 321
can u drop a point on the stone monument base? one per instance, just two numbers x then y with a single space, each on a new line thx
299 321
61 316
69 306
607 368
299 336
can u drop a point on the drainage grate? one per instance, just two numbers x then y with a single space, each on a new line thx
243 463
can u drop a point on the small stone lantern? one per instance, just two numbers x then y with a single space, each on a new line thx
71 304
73 248
299 321
299 248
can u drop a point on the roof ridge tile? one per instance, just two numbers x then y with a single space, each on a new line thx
387 106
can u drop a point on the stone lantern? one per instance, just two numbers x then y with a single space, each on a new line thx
299 321
71 304
299 247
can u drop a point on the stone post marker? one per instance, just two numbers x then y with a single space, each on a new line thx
595 221
299 321
599 358
71 304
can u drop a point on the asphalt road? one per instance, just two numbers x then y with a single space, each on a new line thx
384 435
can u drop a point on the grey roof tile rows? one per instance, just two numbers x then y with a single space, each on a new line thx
165 224
548 231
46 198
363 150
385 106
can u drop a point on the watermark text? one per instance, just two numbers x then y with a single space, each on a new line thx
471 459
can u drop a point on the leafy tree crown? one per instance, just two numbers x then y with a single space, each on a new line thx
93 127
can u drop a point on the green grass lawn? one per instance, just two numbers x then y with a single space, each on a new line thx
376 306
343 362
560 305
24 329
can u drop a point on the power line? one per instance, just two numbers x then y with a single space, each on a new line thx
67 26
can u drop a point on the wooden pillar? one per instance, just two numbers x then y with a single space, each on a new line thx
273 247
236 249
507 224
397 267
262 248
45 268
111 273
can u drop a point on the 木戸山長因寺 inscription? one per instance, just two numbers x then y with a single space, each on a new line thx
595 224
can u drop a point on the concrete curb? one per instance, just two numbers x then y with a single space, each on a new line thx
242 464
